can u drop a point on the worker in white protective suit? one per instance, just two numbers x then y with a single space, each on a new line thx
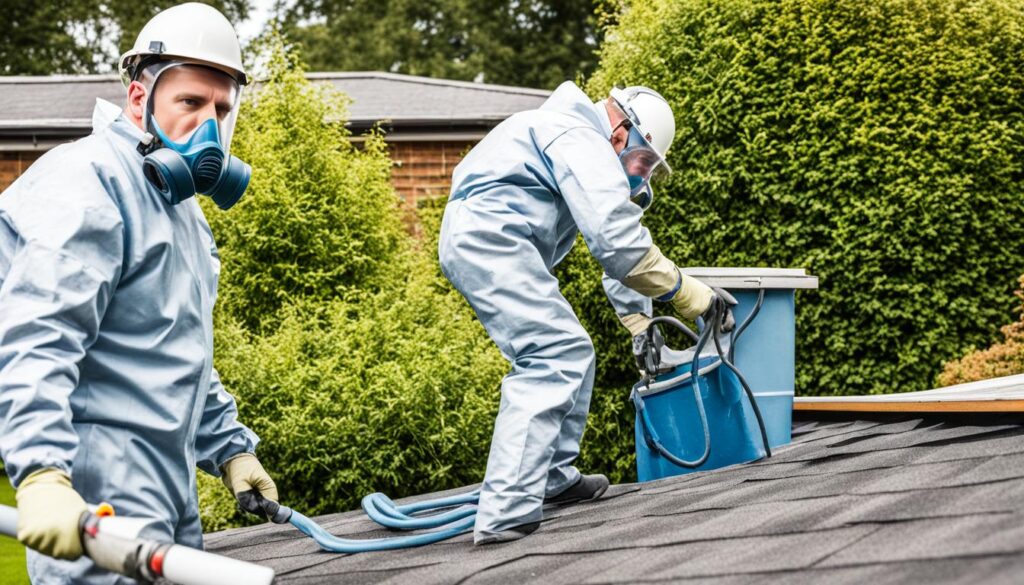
108 277
518 200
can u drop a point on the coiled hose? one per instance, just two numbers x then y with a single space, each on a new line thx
448 517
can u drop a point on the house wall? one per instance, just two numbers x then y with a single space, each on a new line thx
12 164
421 169
424 169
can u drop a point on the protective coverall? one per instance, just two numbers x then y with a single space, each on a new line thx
106 340
517 202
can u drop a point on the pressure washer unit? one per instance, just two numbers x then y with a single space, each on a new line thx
695 410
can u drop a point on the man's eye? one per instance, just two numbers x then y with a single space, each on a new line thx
191 102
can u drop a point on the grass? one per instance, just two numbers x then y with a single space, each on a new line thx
12 554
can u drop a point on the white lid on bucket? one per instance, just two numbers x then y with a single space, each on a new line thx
754 278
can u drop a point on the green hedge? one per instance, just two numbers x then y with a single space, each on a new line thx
360 369
877 144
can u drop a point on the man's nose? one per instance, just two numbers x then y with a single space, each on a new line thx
208 111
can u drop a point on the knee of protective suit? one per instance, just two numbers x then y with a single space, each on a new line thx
581 351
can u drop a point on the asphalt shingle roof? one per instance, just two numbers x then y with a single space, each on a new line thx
892 499
66 102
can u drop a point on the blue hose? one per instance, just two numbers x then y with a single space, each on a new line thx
457 520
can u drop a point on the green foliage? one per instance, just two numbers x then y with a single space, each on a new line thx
37 38
319 218
877 144
533 44
12 553
1003 358
390 392
356 364
80 36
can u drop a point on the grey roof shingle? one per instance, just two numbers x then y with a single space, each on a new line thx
889 500
66 102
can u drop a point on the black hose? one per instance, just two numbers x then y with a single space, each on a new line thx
710 329
743 327
743 382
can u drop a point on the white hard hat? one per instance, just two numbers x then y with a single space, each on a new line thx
650 114
189 32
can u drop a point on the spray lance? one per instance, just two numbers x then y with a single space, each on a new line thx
113 543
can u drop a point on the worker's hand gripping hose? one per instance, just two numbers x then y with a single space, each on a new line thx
112 543
715 326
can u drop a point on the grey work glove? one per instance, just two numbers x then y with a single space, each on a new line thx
721 305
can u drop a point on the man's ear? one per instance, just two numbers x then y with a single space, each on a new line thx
137 94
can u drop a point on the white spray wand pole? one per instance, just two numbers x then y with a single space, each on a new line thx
112 543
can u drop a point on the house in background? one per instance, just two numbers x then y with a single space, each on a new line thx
429 123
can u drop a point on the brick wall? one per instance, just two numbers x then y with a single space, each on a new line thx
422 169
12 164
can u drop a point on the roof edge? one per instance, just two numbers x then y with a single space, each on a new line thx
312 75
1004 394
403 77
60 78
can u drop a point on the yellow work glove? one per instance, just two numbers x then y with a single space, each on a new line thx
251 485
49 512
656 276
693 299
636 323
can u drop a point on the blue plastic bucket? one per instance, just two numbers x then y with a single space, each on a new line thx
766 352
667 414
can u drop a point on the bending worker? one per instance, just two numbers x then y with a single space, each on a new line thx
517 201
108 276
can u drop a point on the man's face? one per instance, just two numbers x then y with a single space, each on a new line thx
185 97
620 133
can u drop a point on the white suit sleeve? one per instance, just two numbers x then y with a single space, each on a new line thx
221 436
593 186
625 300
61 253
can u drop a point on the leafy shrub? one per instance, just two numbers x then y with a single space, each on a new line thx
1004 358
319 217
877 144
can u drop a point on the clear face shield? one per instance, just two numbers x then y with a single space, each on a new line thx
182 97
190 114
641 163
